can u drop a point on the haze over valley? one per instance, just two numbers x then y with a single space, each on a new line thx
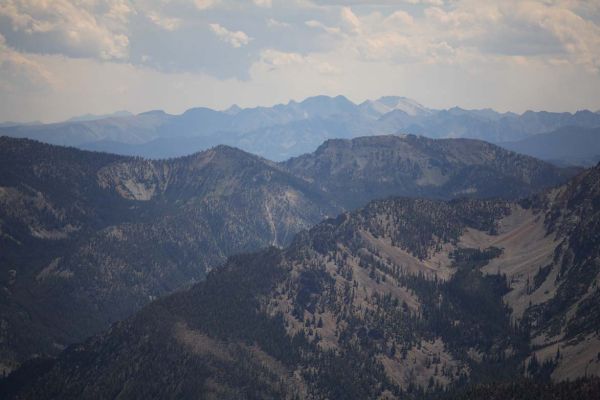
303 199
289 130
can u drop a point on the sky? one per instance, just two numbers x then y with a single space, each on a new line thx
61 58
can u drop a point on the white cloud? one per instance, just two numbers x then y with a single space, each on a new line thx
275 59
274 23
373 2
205 4
426 2
166 23
319 25
17 71
75 29
351 21
505 54
234 38
580 38
399 19
119 10
505 32
263 3
394 38
271 59
527 29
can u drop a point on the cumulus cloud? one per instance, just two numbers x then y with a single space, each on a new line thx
274 23
205 4
395 38
319 25
263 3
271 59
579 38
65 27
234 38
374 30
167 23
357 47
351 21
510 31
18 71
399 19
275 59
427 2
528 29
377 2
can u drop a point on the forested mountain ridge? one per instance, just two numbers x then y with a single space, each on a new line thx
569 321
362 169
89 238
404 297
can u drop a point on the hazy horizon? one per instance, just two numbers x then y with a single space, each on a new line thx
404 205
62 59
110 113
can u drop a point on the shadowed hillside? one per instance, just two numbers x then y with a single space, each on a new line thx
356 171
402 298
90 238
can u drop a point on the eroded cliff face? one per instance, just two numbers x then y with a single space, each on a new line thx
139 180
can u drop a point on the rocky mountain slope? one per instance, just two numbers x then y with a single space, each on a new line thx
402 298
292 129
358 170
89 238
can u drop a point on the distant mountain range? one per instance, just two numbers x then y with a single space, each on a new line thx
402 299
88 238
570 145
289 130
93 117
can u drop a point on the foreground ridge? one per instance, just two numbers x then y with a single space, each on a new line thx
402 297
